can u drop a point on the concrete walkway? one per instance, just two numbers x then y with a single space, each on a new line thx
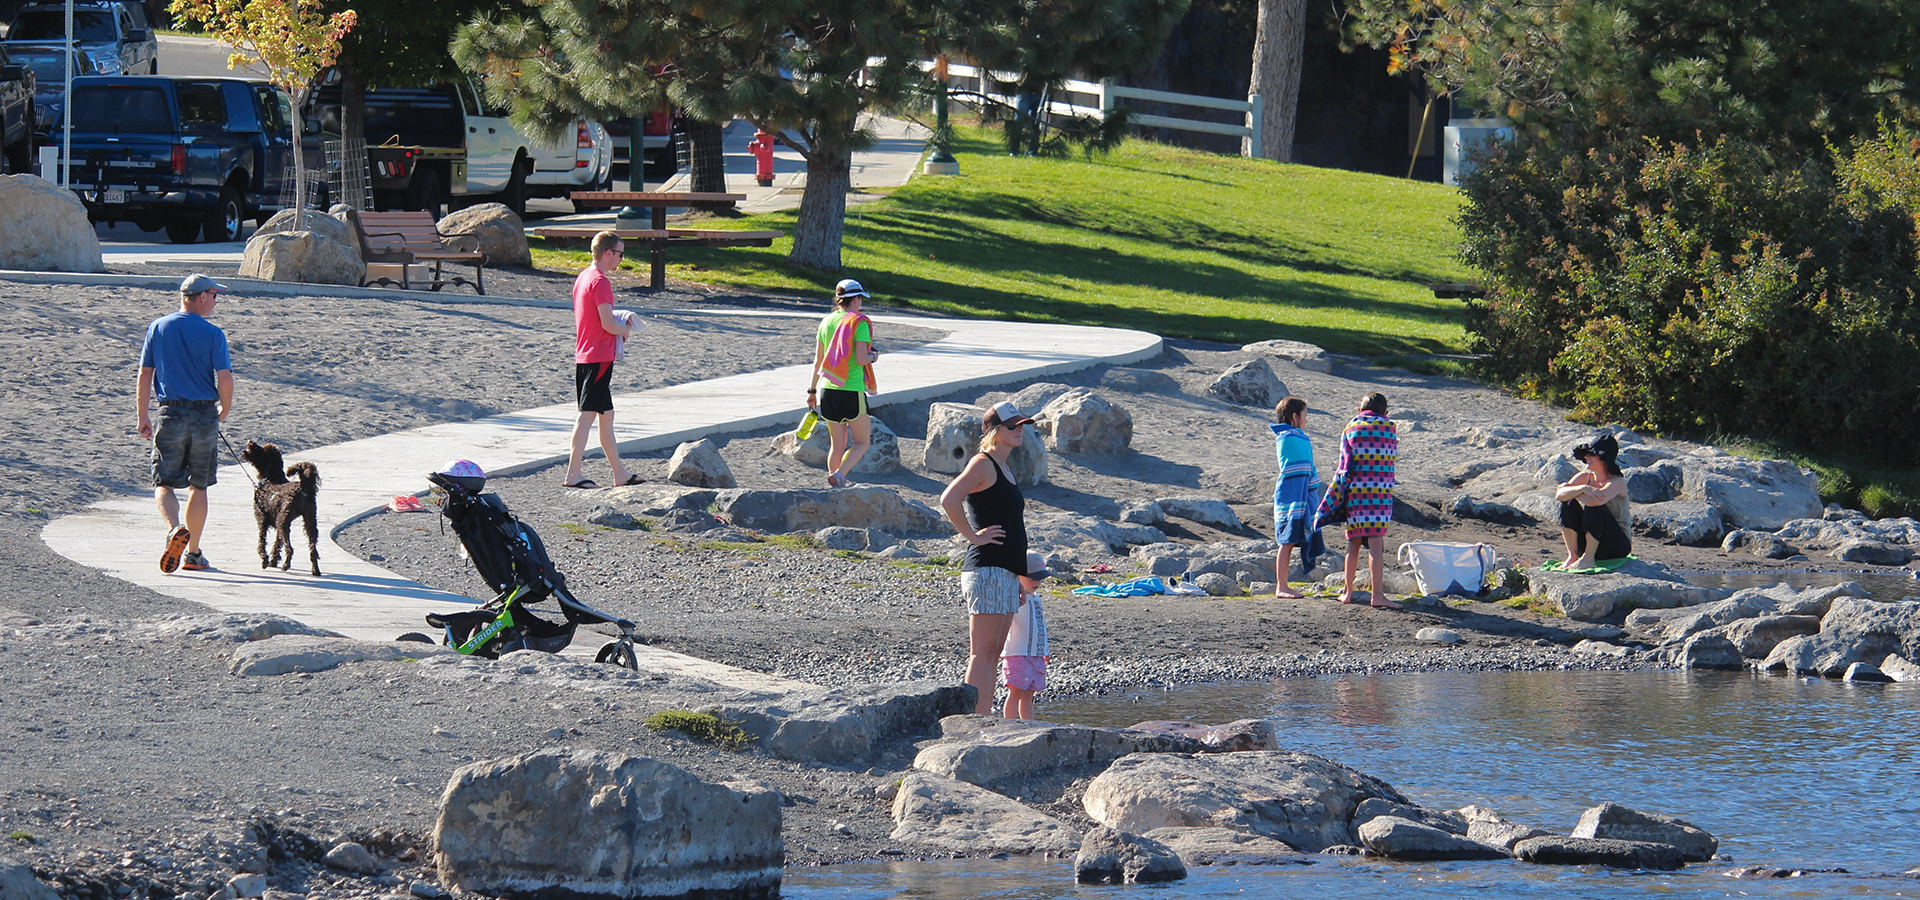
123 537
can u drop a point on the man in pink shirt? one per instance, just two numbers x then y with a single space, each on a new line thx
596 338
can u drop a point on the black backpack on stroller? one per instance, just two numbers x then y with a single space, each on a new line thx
513 561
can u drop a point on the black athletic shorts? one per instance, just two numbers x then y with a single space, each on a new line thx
837 405
593 386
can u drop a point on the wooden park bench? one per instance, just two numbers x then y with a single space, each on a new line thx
658 238
393 243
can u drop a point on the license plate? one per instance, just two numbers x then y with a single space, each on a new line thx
113 196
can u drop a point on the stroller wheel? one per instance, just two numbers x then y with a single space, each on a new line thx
416 637
620 653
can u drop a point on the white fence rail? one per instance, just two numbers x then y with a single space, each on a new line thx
1106 95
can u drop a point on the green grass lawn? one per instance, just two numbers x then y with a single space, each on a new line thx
1176 242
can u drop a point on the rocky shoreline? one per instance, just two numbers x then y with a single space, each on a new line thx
143 766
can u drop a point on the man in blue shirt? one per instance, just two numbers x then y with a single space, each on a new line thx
184 366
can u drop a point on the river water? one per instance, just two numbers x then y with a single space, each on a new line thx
1789 772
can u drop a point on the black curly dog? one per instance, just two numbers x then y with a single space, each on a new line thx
277 502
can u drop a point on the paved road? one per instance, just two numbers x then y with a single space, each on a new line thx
199 56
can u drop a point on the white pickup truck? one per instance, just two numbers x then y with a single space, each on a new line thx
428 147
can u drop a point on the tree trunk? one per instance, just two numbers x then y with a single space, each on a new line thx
822 219
353 100
1278 42
708 167
299 170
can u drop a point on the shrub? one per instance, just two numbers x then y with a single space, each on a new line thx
1702 290
702 727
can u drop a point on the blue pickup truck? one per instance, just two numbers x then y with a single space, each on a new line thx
189 154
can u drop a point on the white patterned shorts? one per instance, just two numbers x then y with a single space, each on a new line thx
990 591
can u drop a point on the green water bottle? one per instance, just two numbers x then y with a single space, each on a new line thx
807 424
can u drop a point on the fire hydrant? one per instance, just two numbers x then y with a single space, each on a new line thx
762 149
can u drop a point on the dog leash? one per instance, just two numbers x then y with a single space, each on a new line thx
237 458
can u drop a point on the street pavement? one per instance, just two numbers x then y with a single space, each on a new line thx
123 536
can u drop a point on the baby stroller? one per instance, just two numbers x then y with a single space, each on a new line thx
512 560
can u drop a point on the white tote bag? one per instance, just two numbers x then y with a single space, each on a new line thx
1443 568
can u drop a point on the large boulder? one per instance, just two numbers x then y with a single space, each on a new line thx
1251 383
1663 625
862 506
1081 421
953 437
1694 523
882 456
1650 484
1237 736
955 815
699 464
47 228
1210 511
1397 838
1571 851
1304 800
1488 827
1755 638
1302 355
1853 630
1636 585
1115 857
585 824
1002 757
303 257
1872 552
330 227
1709 651
502 235
1446 820
17 882
1751 493
843 725
1616 822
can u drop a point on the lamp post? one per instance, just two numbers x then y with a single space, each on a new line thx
942 161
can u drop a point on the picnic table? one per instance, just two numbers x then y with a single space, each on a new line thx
659 237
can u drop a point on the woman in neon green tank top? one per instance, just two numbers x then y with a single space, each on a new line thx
843 355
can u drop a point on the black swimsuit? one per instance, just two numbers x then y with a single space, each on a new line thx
999 503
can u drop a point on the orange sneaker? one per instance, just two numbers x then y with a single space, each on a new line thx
176 546
195 562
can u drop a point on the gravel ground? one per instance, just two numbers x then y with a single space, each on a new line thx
133 763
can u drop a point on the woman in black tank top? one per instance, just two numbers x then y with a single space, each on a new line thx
986 507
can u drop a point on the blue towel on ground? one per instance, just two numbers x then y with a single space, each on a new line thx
1139 587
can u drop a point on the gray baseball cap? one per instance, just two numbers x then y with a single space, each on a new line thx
197 282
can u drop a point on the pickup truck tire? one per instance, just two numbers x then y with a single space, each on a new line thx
183 231
223 223
19 156
424 193
515 196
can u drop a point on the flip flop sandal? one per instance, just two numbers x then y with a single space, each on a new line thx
633 480
584 484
